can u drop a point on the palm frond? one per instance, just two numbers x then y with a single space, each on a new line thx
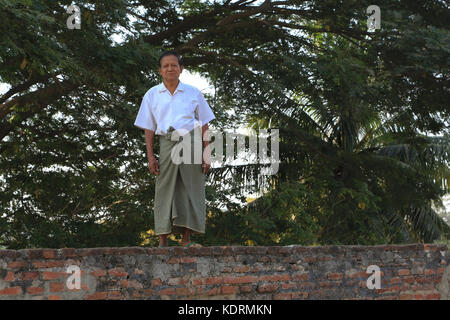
428 154
427 223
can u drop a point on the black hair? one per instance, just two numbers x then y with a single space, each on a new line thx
170 53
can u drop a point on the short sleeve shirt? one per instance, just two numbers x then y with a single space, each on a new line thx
185 109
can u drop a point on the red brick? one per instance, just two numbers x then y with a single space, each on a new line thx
228 289
420 271
395 288
178 251
156 283
433 296
50 254
418 297
363 284
159 251
387 298
405 297
240 269
35 290
422 280
300 276
282 296
48 275
351 283
436 280
98 273
115 295
138 271
395 280
9 276
135 284
246 289
410 279
33 253
404 272
47 264
188 260
5 253
329 284
57 286
405 287
68 252
275 277
361 274
54 297
214 280
173 260
440 270
244 279
30 275
429 272
168 291
17 264
96 251
388 290
302 285
324 258
268 288
197 281
97 296
335 276
288 285
143 293
213 291
300 295
256 269
148 292
176 281
117 272
11 291
184 291
208 292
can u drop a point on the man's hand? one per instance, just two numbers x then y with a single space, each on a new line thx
153 165
206 160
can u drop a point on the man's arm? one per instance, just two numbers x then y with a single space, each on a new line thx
206 158
149 140
205 137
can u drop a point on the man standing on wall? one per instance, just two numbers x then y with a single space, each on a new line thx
166 110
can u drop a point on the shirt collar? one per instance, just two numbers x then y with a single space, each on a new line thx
180 87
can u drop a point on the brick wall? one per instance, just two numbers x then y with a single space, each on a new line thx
292 272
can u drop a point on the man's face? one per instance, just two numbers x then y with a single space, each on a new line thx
170 70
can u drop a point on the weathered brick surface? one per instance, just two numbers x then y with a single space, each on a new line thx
407 272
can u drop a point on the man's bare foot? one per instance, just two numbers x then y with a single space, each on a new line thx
163 241
188 244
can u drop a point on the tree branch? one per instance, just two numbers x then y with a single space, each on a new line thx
23 86
37 101
45 95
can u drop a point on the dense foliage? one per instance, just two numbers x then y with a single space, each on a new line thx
363 119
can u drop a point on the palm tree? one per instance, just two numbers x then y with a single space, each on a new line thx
375 177
426 156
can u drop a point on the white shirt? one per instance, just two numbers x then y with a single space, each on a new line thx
185 109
